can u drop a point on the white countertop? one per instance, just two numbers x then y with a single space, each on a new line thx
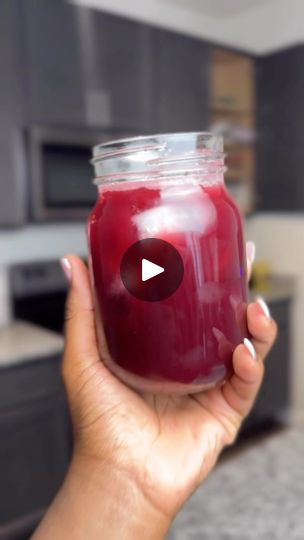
24 342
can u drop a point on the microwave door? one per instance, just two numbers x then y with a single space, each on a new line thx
61 178
61 175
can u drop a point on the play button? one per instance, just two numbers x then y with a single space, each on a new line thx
151 269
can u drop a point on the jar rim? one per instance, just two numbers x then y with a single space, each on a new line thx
212 141
163 154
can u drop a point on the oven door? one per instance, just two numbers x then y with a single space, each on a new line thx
60 173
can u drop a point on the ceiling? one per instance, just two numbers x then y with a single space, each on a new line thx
219 8
256 26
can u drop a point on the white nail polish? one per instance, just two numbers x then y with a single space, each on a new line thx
263 306
250 251
250 347
66 267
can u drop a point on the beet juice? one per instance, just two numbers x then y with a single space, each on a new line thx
170 188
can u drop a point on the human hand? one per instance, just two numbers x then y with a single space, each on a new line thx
147 453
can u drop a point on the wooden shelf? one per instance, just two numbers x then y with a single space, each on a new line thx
218 109
239 146
233 177
232 81
232 90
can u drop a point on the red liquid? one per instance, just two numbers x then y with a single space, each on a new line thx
188 338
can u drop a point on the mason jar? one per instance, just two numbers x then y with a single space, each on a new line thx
162 204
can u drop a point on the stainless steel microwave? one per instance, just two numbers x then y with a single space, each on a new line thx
60 173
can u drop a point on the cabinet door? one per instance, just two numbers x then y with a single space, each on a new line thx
122 70
53 69
274 396
32 380
181 82
12 186
280 131
34 454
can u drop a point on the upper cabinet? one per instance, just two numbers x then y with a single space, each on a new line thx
52 62
180 86
121 70
84 66
12 184
280 125
87 67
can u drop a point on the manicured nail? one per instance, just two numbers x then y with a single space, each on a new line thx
219 336
263 307
250 347
66 267
250 251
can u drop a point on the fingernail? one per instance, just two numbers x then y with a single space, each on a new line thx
66 267
250 347
263 307
250 251
218 334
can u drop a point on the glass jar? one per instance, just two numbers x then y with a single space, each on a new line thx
168 187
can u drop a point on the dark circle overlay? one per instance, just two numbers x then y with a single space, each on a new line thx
158 252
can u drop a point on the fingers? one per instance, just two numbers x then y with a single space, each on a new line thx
260 324
262 327
241 390
80 345
250 252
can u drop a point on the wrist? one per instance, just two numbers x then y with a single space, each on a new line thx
99 501
123 500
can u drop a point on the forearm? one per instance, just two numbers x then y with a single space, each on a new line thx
95 503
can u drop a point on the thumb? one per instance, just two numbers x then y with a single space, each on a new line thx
81 350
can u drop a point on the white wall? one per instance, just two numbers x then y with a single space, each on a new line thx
274 25
41 242
279 239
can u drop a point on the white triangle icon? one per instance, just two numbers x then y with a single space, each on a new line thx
150 270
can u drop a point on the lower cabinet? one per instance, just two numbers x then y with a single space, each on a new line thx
273 400
35 446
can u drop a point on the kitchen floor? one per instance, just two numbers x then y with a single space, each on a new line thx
255 493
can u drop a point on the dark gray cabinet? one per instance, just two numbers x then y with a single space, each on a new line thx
53 73
180 88
84 67
12 186
280 130
35 440
122 69
155 80
33 457
274 397
273 400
